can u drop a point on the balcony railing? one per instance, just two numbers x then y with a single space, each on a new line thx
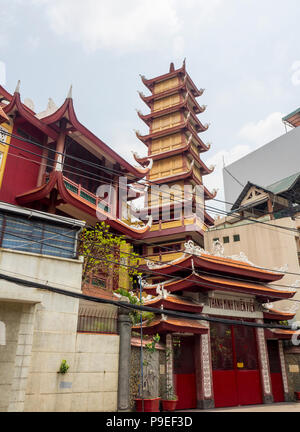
86 194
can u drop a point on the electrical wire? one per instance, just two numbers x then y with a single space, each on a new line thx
141 308
209 208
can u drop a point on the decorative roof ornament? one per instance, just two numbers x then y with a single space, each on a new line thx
188 116
139 111
218 249
212 168
296 284
17 90
161 291
282 269
70 93
192 249
29 103
153 265
242 257
203 107
51 108
207 125
208 145
268 306
142 95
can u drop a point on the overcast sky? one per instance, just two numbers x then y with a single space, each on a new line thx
244 53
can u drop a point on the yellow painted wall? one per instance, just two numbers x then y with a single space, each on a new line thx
167 167
166 122
166 85
166 194
167 143
166 102
4 148
124 281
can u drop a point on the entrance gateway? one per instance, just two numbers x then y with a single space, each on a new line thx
214 364
235 368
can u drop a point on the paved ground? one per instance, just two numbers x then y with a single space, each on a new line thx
278 407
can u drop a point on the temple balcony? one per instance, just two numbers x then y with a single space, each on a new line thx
84 194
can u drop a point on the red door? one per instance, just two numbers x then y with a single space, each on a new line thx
275 371
184 373
236 377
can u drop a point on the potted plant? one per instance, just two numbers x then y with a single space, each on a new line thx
170 401
149 400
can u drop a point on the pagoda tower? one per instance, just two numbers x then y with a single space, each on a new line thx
174 154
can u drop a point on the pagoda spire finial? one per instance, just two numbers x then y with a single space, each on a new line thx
172 67
70 94
183 64
18 87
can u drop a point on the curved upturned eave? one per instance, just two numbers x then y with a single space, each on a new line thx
174 108
220 265
175 303
196 282
171 324
5 94
16 105
273 314
169 131
68 197
67 110
150 82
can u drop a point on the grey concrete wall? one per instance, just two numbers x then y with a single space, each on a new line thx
264 166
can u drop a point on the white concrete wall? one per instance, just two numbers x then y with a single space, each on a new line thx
41 332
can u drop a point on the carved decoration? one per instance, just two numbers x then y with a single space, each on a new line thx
206 366
153 265
283 368
263 357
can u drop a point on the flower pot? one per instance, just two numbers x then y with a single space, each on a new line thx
150 405
297 396
169 405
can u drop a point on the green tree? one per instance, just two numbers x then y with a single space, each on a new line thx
107 255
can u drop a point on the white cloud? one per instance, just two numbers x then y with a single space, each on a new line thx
116 24
263 131
126 25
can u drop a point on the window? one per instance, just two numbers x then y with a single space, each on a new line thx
216 239
35 236
225 239
236 238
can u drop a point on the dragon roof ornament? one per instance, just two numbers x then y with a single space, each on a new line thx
152 265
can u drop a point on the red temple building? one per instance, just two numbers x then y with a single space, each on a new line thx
52 163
